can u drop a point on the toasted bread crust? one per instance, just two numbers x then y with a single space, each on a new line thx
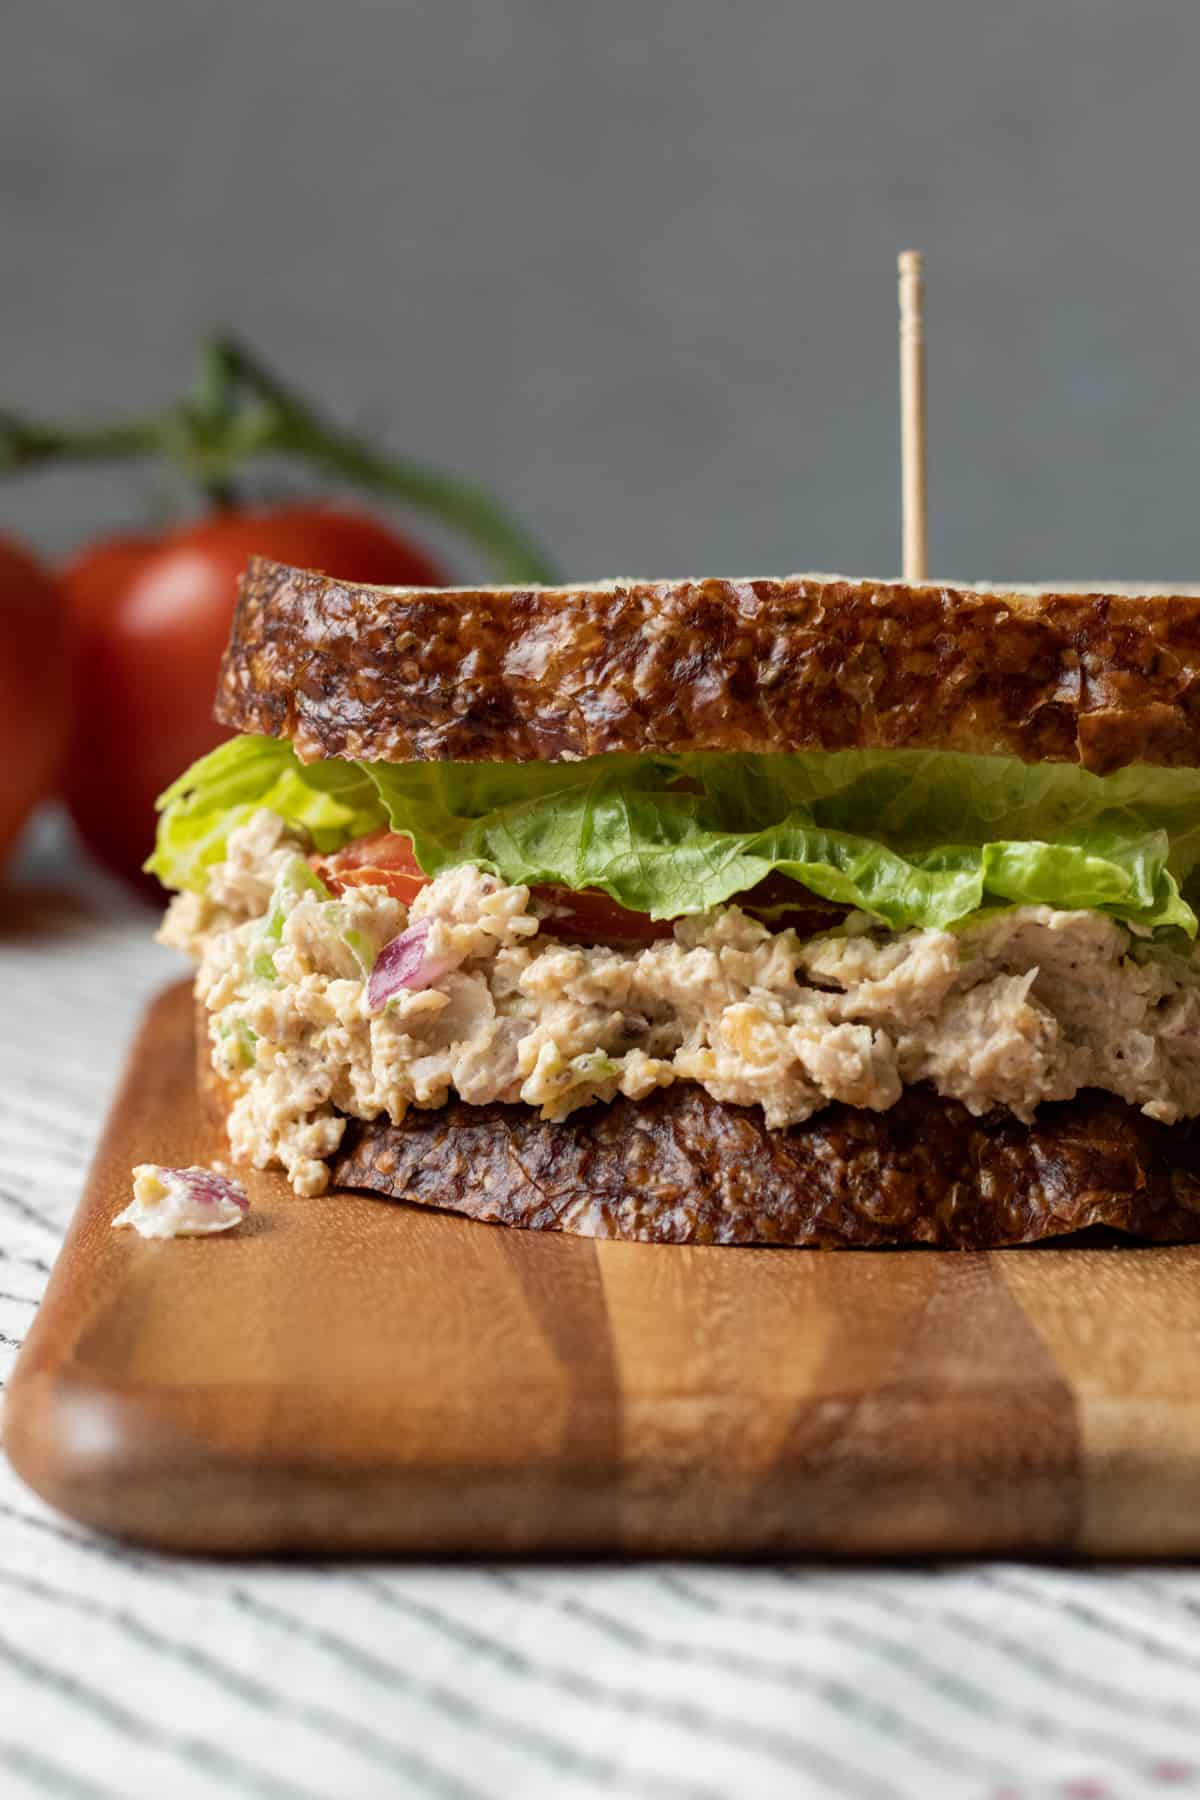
542 674
681 1168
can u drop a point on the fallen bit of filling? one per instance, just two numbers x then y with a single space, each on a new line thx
191 1202
355 1004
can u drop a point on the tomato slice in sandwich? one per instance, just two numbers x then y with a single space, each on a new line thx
386 860
578 916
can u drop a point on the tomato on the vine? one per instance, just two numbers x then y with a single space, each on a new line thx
36 673
154 616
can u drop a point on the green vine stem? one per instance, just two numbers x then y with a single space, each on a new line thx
239 408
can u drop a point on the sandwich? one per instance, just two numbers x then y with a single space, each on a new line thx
805 911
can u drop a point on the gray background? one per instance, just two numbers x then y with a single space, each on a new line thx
633 262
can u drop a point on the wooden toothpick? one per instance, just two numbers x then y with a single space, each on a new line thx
912 413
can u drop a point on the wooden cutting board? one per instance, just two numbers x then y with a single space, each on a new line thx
351 1374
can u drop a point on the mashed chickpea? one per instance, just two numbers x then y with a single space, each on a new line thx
1026 1006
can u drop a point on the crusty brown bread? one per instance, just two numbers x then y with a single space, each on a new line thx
806 663
681 1168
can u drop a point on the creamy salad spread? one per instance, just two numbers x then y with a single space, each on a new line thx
1023 1005
191 1202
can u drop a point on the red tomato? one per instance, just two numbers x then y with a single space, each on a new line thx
36 685
97 572
154 616
586 916
385 859
782 903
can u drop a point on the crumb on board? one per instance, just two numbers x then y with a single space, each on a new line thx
190 1202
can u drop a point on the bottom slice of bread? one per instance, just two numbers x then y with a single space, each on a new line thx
682 1168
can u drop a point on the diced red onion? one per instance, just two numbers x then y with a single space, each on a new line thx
405 964
209 1188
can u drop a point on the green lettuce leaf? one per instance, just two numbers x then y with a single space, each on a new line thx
333 801
912 837
915 838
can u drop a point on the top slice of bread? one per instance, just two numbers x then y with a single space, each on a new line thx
803 663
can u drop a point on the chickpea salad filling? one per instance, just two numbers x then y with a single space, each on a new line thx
330 997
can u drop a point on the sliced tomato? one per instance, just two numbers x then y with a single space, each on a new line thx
385 859
394 881
588 917
380 850
583 916
781 903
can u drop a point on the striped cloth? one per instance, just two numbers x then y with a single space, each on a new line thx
124 1674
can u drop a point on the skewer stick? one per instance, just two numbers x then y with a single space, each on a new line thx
912 413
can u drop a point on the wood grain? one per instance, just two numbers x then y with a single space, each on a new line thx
350 1374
